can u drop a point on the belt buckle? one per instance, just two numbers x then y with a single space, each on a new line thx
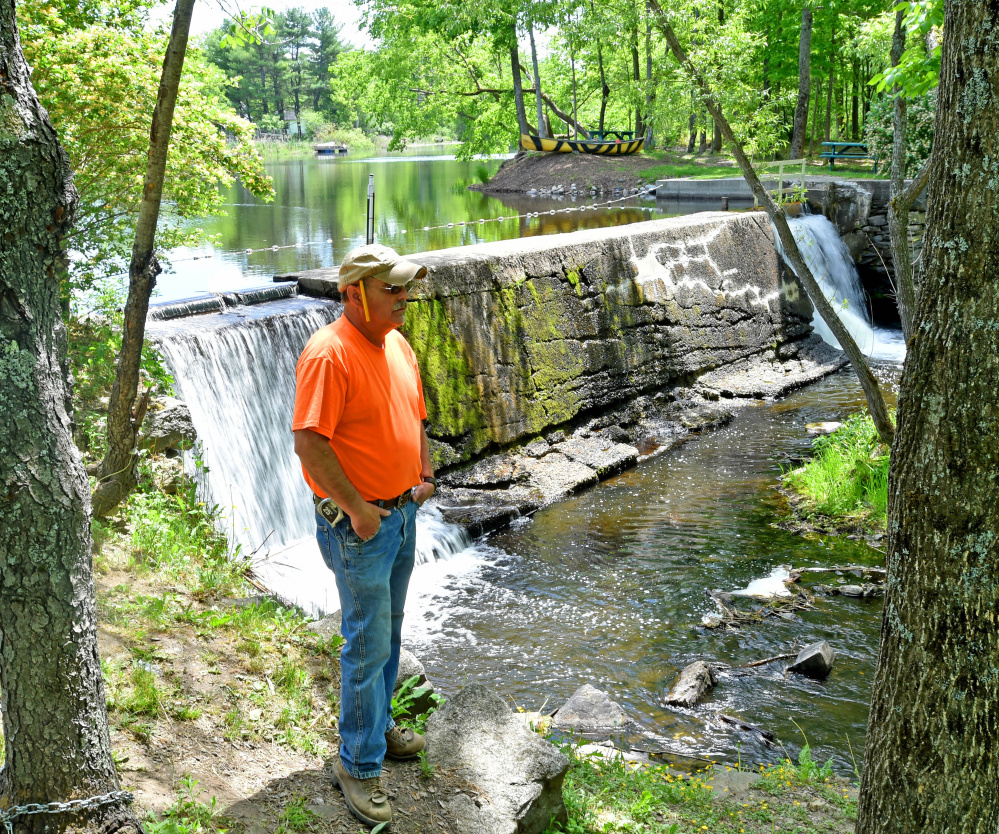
402 500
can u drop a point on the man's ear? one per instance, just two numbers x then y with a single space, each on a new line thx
352 294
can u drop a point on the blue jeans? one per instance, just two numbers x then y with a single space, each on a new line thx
372 578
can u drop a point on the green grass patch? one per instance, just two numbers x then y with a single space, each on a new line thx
608 796
848 476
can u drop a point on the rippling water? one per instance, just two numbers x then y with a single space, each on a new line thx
609 588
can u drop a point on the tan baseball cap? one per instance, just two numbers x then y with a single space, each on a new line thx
377 261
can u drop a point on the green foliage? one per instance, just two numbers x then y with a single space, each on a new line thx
97 73
918 70
880 130
93 346
188 814
848 476
404 700
482 173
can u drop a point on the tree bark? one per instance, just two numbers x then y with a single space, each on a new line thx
117 472
898 214
637 76
855 102
518 89
804 85
931 761
537 84
650 96
875 400
832 74
57 742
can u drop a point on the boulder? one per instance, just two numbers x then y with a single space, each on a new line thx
695 680
590 710
168 427
327 627
605 456
517 773
168 474
814 661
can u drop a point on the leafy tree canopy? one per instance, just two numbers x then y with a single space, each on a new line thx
96 70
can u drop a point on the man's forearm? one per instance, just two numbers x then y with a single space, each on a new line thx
426 468
322 464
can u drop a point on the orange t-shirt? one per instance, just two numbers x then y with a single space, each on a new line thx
368 401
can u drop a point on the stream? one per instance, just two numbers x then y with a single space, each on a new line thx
609 587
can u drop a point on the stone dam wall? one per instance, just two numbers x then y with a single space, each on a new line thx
631 335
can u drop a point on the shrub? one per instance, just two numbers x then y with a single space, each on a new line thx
879 130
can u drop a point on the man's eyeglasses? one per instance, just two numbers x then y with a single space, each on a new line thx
395 289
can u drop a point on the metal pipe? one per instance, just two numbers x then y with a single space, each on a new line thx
370 235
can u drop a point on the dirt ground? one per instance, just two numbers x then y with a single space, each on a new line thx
260 785
530 169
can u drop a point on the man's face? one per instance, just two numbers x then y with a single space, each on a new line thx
386 303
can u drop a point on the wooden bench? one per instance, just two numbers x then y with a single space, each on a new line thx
846 150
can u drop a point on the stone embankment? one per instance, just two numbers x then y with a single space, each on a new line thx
552 362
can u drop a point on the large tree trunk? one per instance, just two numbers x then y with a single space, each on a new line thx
537 84
55 721
117 473
518 88
875 399
931 761
804 85
898 213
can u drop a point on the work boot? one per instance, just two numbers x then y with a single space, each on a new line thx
401 743
366 798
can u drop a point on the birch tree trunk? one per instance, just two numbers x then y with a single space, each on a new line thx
125 414
55 721
932 762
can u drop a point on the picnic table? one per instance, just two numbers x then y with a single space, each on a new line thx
621 135
846 150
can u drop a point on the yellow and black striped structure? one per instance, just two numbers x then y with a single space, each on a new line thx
536 143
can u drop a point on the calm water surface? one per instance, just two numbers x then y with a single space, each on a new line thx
609 588
319 207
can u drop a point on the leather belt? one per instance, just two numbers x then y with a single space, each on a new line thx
332 513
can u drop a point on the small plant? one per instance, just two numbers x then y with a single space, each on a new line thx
405 700
808 770
426 767
482 173
187 815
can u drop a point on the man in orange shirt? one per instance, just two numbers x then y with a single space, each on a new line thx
359 433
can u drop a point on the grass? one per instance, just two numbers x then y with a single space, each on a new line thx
182 580
677 166
608 796
848 476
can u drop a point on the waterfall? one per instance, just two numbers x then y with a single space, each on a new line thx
236 372
830 262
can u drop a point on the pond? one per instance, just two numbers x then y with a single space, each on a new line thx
319 210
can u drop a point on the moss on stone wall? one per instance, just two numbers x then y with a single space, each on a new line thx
454 405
